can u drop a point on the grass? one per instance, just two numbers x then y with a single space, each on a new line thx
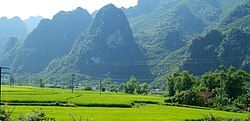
79 97
142 113
90 104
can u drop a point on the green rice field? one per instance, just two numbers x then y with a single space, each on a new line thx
105 107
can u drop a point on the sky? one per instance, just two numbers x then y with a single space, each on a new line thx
47 8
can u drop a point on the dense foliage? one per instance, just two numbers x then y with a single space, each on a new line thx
133 86
225 88
35 116
5 114
208 52
211 117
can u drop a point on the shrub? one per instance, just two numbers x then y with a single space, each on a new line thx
113 90
88 88
188 98
211 117
5 114
73 118
35 116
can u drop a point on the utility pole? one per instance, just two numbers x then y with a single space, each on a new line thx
11 80
72 83
1 72
100 83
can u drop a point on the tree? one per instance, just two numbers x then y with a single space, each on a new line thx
208 81
171 84
179 82
107 83
142 88
236 83
131 85
41 83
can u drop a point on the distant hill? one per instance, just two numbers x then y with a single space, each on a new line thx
9 52
214 49
190 18
51 39
143 7
230 47
13 27
32 22
107 47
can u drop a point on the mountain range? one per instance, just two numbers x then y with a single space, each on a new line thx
15 27
150 40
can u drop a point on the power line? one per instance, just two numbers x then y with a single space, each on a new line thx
72 83
118 79
152 63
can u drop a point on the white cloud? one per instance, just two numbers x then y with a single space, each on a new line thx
48 8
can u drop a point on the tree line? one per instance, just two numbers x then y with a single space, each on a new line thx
225 88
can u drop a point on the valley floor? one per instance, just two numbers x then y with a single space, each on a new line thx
105 107
144 113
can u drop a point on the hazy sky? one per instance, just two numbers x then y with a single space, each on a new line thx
48 8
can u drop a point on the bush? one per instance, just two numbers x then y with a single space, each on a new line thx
113 90
73 118
5 114
36 116
88 88
188 98
211 117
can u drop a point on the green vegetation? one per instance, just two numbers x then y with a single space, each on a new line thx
211 117
21 98
35 116
47 96
141 113
111 59
226 88
208 52
133 86
5 114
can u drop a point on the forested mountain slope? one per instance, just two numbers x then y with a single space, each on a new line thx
50 40
107 47
229 48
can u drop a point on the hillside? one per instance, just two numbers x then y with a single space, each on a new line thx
155 37
13 27
230 47
189 18
32 22
9 51
214 49
107 47
50 40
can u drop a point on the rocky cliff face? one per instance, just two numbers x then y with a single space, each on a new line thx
108 47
